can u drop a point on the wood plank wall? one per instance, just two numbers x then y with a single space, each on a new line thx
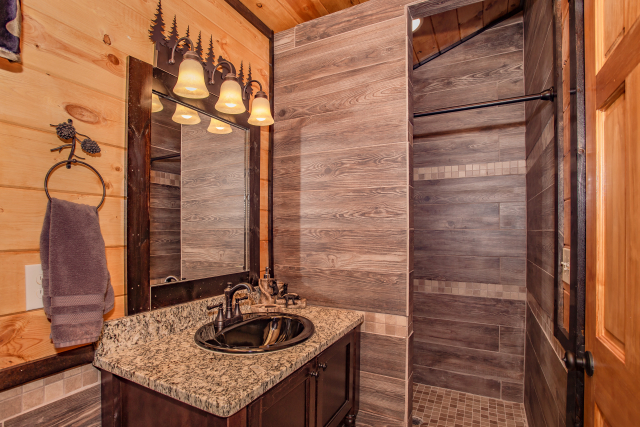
545 375
74 66
342 154
164 204
213 201
470 217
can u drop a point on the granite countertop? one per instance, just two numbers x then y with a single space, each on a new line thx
157 350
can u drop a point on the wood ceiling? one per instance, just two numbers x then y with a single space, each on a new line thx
281 15
436 33
440 31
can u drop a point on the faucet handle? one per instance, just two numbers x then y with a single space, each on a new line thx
213 307
237 311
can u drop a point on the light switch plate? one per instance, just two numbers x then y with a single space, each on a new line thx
33 279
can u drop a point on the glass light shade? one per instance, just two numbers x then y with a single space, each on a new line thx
156 105
190 82
216 126
185 115
260 112
415 24
230 100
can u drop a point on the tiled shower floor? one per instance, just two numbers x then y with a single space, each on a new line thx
439 407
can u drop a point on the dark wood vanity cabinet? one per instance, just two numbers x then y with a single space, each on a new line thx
322 393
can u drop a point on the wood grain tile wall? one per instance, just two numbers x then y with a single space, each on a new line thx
545 375
470 218
342 155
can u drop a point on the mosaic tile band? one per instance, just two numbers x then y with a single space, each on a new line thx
165 178
514 167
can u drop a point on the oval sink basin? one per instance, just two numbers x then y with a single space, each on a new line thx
257 333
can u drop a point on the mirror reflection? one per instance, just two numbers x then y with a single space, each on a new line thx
198 206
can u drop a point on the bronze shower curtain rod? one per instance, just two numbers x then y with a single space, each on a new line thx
547 95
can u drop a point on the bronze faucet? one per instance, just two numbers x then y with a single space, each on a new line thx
230 317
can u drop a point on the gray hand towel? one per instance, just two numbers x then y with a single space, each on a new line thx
76 284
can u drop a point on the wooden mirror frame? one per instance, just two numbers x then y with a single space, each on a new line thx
143 80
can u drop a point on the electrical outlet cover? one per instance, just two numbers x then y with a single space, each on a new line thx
33 279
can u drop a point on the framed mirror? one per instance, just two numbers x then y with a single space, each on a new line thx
193 194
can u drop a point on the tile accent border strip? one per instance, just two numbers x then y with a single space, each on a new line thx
28 397
514 167
385 324
483 290
165 178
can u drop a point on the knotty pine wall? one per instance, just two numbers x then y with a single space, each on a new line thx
545 375
74 66
470 218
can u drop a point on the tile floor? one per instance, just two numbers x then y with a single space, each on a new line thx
439 407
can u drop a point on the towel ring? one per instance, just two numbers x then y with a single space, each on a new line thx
68 162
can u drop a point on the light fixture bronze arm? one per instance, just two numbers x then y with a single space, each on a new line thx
188 41
244 89
232 70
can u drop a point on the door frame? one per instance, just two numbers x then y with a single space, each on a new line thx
573 340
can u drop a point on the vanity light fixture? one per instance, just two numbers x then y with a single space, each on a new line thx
190 82
185 115
415 24
156 105
230 100
219 127
260 109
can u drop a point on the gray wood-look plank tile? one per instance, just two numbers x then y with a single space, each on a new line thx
381 249
541 286
357 208
470 216
552 366
487 364
456 269
512 340
490 311
339 170
79 409
477 71
373 291
458 334
383 355
513 271
513 216
483 243
512 392
457 149
508 188
382 395
358 49
541 249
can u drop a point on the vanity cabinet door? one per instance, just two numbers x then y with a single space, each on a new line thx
336 382
290 404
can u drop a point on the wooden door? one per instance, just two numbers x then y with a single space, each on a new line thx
612 328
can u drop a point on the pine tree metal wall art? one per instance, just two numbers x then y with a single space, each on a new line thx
171 50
